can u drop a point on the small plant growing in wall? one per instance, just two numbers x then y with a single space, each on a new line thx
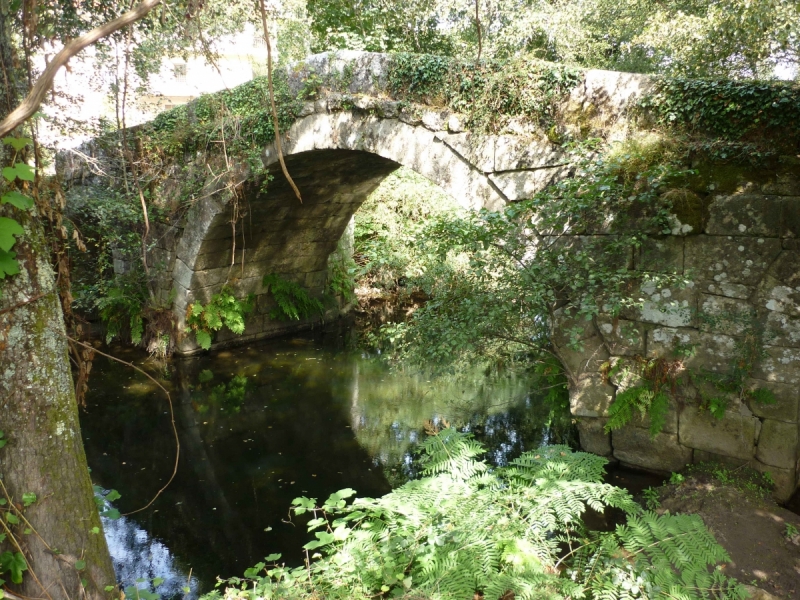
223 310
294 303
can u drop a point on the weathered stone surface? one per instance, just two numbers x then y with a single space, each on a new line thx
785 479
782 330
734 435
786 407
673 307
777 444
590 396
514 153
593 437
729 290
622 337
520 185
661 255
729 259
662 452
712 351
701 456
774 295
780 365
753 215
728 316
478 150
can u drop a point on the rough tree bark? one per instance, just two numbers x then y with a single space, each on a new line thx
39 416
38 413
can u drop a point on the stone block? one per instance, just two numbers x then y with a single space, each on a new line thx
715 352
728 316
775 296
662 452
622 337
701 456
745 215
593 437
728 290
782 330
521 185
586 356
730 259
777 444
661 255
670 306
435 120
734 435
590 396
780 365
513 153
786 407
785 479
476 150
790 218
783 184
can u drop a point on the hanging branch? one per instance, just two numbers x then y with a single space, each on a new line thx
478 27
39 90
272 102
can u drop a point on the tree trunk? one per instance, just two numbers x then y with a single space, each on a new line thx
44 454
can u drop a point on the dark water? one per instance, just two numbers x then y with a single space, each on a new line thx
261 425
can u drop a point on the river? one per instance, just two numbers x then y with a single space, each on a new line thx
262 424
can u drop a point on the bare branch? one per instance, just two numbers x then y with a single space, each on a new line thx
39 90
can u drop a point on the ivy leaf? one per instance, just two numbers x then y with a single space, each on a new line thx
80 565
158 581
8 229
17 143
21 201
12 518
113 495
28 498
25 172
8 266
14 564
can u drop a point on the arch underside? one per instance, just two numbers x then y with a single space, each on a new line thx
336 160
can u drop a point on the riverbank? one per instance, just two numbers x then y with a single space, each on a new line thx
761 537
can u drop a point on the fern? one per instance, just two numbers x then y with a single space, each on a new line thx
293 301
464 530
223 310
642 399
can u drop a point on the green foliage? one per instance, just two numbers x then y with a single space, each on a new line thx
646 401
496 279
103 499
9 228
122 306
390 226
790 532
223 310
293 302
490 94
732 110
652 499
14 564
463 530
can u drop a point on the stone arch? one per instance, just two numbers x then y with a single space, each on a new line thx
336 159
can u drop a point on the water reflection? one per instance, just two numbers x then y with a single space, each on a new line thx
262 425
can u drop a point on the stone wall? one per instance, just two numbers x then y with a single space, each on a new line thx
742 260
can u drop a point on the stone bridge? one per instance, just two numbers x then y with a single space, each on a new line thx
740 251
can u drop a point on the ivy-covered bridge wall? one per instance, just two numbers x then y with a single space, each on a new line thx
348 120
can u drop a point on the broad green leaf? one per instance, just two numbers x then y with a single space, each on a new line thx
13 563
25 172
80 565
8 229
8 266
158 581
21 201
17 143
113 495
28 498
12 518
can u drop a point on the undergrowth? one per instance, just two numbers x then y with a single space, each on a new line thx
463 530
